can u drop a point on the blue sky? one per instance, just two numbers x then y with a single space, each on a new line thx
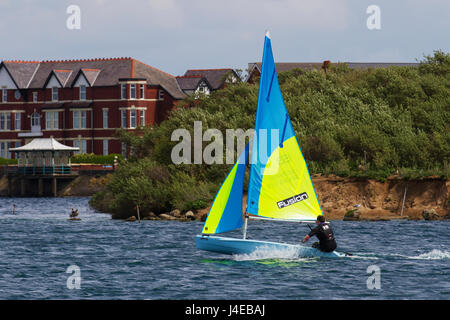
175 35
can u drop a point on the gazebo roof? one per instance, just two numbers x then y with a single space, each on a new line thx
44 144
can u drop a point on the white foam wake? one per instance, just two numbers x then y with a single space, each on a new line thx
434 254
263 253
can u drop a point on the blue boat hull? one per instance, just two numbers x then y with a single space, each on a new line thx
245 246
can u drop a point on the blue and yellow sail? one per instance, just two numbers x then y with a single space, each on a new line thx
280 186
226 211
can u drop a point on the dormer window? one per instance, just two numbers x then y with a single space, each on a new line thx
82 92
54 93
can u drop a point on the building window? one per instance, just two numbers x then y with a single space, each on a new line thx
123 116
3 148
161 94
133 118
5 121
82 92
79 119
105 147
133 91
35 97
55 94
5 95
35 120
17 121
123 90
52 120
82 144
142 94
142 118
105 118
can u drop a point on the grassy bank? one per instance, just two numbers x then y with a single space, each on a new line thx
353 123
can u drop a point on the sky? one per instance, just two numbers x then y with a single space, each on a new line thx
176 35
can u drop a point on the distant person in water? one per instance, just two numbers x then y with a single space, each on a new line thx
324 233
74 213
14 209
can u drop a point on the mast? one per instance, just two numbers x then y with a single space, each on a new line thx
244 230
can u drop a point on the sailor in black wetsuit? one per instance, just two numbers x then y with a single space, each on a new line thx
323 231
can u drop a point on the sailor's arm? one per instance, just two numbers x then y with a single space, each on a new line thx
306 238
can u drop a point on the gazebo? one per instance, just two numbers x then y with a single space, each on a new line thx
44 156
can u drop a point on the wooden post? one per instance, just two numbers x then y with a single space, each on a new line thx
55 189
404 198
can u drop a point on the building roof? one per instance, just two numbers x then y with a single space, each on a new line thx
98 72
287 66
44 144
191 82
215 77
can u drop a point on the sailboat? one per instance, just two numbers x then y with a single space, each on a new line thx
280 187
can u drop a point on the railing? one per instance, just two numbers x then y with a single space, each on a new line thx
62 169
44 170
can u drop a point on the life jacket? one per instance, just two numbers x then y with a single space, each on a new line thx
327 232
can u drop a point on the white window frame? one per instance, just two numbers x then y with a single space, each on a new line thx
5 121
82 92
142 91
81 144
17 121
161 94
79 118
123 91
105 147
35 119
142 118
105 118
4 95
35 96
52 120
133 118
55 94
3 149
123 118
132 91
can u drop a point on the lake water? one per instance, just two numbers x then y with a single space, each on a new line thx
158 259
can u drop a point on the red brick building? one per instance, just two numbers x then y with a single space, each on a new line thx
81 103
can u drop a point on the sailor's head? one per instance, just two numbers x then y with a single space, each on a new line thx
320 219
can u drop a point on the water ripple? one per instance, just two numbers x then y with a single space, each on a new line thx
158 259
